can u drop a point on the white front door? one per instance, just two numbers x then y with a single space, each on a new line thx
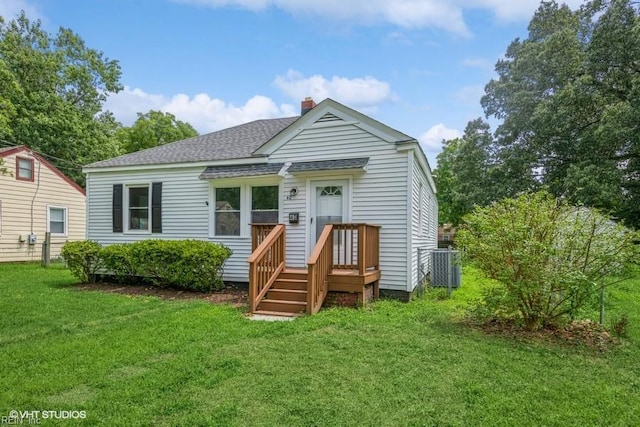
328 205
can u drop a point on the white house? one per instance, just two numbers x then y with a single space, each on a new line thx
332 164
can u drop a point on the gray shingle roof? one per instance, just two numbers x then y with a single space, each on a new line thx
321 165
237 142
235 171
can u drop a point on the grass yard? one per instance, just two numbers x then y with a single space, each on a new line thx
146 361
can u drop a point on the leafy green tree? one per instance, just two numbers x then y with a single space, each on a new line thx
567 98
152 129
467 173
56 86
550 259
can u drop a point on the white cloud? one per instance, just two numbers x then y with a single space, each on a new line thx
444 14
205 113
361 92
510 10
431 140
10 9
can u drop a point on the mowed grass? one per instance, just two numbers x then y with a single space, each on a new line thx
144 361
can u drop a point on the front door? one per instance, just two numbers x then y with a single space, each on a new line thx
328 205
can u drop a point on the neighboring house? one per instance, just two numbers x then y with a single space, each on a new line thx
446 235
332 164
35 198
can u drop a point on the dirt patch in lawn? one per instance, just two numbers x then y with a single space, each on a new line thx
234 295
583 333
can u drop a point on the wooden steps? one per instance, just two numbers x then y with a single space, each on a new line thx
287 296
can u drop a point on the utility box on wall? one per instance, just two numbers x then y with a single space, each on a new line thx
32 239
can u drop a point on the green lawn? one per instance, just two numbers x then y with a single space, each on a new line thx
145 361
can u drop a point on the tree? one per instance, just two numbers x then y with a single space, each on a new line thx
152 129
57 86
567 101
550 259
467 173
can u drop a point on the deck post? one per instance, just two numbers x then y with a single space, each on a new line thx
362 245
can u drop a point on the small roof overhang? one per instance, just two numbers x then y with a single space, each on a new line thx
325 165
241 171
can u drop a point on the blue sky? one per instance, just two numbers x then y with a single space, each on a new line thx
419 66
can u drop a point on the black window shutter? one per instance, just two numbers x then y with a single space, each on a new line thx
117 208
156 207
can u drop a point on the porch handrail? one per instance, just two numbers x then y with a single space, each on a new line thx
319 266
265 264
359 247
259 231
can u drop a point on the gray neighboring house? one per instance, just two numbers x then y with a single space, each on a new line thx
331 164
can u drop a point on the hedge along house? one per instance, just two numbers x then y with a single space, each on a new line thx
36 198
330 201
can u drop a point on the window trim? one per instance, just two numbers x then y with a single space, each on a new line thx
245 203
127 209
33 169
66 220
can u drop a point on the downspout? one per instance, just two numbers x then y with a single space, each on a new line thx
35 194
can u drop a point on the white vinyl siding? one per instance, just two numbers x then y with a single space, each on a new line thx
424 221
378 195
381 195
187 211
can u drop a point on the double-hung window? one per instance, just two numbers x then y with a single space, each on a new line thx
57 220
24 169
227 214
235 207
138 208
264 205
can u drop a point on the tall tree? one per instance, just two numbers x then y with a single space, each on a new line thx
467 173
152 129
568 101
58 87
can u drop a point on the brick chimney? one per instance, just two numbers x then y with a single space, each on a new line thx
307 105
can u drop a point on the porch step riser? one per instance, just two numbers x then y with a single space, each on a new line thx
287 295
288 275
300 285
282 306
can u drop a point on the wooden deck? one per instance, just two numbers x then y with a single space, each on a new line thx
349 265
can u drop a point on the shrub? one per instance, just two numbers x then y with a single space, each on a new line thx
186 264
117 260
82 258
550 259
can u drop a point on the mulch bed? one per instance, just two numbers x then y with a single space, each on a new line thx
235 296
582 333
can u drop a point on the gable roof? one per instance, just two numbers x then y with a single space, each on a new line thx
236 142
8 151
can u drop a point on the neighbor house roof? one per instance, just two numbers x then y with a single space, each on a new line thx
237 142
322 165
235 171
8 151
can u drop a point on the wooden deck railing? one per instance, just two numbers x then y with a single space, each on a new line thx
258 233
357 248
319 266
266 262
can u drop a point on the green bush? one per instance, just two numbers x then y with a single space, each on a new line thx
117 260
184 264
82 258
550 259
